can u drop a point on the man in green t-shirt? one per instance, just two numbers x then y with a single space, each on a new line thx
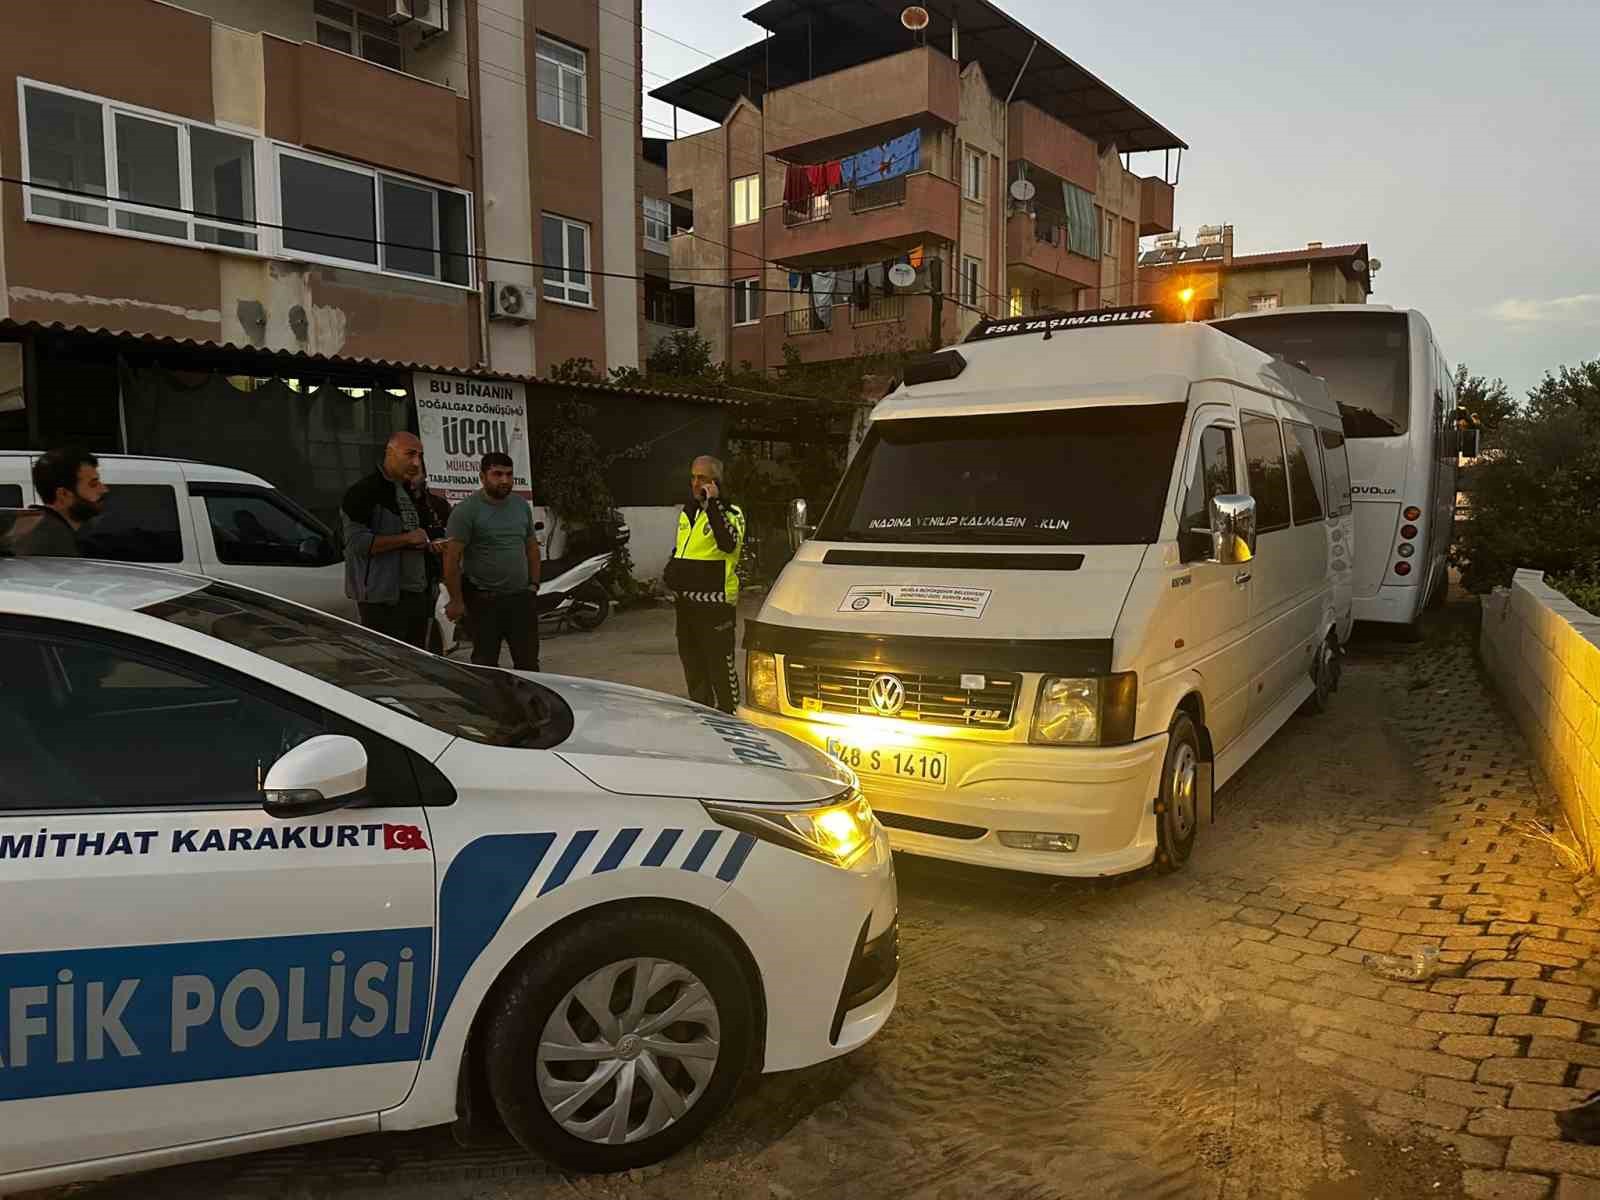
491 567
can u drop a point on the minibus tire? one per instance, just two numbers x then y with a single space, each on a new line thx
1178 803
1324 678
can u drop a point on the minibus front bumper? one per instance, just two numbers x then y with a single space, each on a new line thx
1100 798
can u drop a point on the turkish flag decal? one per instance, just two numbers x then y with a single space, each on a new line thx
403 837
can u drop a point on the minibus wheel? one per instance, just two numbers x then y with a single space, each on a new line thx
1324 678
1178 806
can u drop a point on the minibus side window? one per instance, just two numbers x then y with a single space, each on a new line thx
1305 472
1214 475
1269 480
1338 464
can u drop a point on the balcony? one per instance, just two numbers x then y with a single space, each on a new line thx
889 323
1039 243
1155 206
867 223
1039 138
885 91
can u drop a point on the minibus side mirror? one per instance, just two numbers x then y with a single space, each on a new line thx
799 530
1233 529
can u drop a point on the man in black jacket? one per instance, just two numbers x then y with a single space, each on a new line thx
386 545
704 574
68 481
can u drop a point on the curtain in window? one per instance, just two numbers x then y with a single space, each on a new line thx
1083 229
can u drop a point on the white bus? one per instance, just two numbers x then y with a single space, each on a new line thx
1397 396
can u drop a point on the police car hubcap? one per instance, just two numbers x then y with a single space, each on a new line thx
629 1050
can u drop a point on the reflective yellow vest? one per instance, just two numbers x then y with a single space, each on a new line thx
702 572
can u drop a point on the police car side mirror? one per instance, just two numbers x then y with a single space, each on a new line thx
319 775
1233 529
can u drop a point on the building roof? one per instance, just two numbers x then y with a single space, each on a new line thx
812 38
1210 256
277 361
1304 254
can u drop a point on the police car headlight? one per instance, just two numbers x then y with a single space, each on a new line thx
838 832
761 680
1099 711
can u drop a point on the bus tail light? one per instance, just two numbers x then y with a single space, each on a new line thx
1407 550
1402 568
1413 513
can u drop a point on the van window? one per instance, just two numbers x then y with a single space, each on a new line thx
254 527
1269 482
10 495
1213 476
1080 476
1305 472
1337 463
139 524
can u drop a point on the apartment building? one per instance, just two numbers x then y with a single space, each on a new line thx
666 310
309 206
869 187
1220 283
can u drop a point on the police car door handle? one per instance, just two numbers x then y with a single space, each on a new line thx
1242 578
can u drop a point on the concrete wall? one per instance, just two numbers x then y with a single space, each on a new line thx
1543 652
652 530
698 166
982 129
896 88
1295 283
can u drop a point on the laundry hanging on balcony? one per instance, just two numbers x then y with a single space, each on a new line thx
898 156
822 296
803 181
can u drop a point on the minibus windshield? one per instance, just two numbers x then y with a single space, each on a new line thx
1080 476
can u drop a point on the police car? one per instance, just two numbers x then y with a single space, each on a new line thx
267 877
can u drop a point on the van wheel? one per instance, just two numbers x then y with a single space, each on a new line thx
1178 805
1324 678
620 1041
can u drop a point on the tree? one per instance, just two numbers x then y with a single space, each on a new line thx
1491 401
1571 389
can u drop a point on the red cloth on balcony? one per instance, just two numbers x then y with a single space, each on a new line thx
797 187
817 179
833 175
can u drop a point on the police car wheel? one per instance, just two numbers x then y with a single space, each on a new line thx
616 1044
1179 803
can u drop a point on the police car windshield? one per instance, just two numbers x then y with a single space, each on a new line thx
482 705
1080 477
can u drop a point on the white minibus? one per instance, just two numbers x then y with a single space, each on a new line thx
1079 571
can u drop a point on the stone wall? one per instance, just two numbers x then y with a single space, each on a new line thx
1544 653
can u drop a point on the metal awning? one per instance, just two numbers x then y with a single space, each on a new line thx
811 38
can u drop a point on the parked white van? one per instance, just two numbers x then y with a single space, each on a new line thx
1079 571
206 520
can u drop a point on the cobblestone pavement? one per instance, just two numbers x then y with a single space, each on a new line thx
1211 1033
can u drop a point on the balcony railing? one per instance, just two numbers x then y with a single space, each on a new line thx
879 309
805 320
878 195
819 208
1050 227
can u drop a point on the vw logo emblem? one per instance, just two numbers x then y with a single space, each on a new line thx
887 695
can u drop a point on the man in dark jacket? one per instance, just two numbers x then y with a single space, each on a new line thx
68 481
386 545
704 574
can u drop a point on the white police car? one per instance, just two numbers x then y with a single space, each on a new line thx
266 877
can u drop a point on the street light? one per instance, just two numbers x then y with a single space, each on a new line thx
1187 296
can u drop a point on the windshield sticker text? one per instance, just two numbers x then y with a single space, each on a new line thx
915 598
969 522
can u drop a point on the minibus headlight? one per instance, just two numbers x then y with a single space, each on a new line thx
837 832
761 680
1097 711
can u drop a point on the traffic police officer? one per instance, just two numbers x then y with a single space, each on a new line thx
704 574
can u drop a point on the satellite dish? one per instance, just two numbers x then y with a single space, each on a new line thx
1359 265
1022 190
902 275
1377 265
914 18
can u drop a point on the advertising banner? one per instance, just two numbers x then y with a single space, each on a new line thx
460 420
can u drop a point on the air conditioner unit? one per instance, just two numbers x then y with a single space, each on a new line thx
400 11
511 302
432 16
1168 241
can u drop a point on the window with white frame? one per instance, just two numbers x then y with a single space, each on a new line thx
563 85
340 27
971 273
746 199
973 176
566 261
1111 235
746 301
345 213
1263 301
118 168
657 224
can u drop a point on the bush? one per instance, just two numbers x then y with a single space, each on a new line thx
1581 585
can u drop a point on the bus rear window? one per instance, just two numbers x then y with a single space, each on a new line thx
1082 476
1364 357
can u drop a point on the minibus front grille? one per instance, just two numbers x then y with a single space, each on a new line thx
935 697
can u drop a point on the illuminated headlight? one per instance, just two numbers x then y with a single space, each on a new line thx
761 680
1097 711
837 833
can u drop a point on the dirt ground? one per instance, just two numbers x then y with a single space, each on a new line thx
1145 1037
